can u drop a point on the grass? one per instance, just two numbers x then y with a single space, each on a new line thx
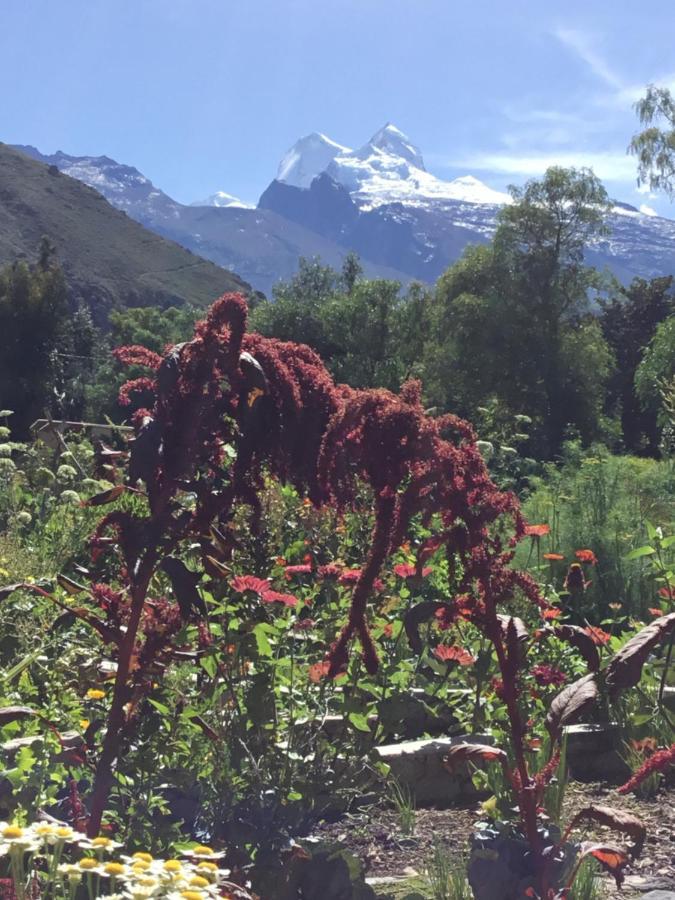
404 803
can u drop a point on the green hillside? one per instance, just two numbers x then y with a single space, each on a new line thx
108 259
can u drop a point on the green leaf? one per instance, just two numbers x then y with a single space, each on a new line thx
359 721
264 646
640 551
209 664
165 711
651 530
668 542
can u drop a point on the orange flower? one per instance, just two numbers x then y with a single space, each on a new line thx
667 593
552 613
553 557
586 556
537 530
318 671
655 612
454 654
597 635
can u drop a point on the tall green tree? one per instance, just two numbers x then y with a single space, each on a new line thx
629 320
33 312
508 314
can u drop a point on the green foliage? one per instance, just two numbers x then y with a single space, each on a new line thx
512 320
368 332
656 369
628 322
654 147
604 503
33 308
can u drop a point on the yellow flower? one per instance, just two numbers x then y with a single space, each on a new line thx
143 857
139 867
114 869
192 895
100 841
209 866
95 694
199 882
64 833
12 832
88 863
44 829
202 850
84 724
173 865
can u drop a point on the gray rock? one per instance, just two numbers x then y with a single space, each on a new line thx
418 766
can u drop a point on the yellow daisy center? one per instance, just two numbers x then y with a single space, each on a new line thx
64 832
100 841
144 857
203 851
192 895
95 694
114 868
173 865
12 831
88 863
198 881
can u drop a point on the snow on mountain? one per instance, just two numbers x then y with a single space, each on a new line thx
307 158
223 201
389 168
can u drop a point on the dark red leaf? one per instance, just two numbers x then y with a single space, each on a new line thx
580 639
105 496
625 668
570 703
475 753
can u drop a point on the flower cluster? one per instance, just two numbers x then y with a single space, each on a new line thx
71 859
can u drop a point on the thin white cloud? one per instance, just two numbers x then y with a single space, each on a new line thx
607 166
648 210
582 44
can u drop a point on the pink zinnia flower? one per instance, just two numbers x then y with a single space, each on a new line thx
243 583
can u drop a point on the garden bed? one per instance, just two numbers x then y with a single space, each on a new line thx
374 836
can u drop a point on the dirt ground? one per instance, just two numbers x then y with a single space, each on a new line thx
374 835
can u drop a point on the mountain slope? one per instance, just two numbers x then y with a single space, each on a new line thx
108 259
261 245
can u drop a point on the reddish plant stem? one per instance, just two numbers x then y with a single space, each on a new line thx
527 799
103 779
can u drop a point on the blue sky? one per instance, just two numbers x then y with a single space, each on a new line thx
205 95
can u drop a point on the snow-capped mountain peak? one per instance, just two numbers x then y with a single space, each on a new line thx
394 142
307 158
222 200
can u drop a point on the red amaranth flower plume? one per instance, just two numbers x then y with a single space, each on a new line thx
545 675
658 762
135 355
